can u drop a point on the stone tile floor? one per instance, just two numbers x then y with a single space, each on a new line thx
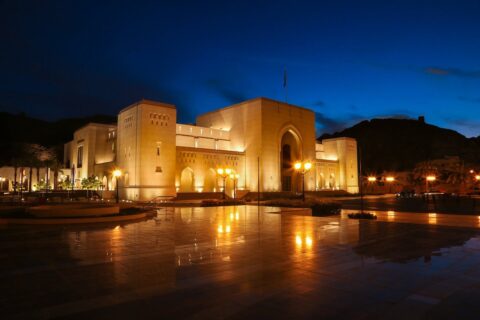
237 263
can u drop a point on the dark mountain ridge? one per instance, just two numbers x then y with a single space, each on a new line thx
399 144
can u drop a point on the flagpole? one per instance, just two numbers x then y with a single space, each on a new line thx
285 84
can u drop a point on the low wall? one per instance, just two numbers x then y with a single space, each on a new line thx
73 210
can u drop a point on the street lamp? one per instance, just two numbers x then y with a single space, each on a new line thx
428 179
224 173
303 168
371 180
234 177
390 180
117 173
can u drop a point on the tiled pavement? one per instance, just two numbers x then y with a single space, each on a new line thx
215 263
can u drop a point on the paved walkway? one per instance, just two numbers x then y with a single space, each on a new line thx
237 263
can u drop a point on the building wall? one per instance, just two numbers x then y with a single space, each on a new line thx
277 119
345 150
97 149
327 175
256 127
147 150
202 165
243 121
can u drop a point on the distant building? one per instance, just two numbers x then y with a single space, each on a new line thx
258 139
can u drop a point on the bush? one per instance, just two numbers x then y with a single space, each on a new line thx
319 208
364 215
326 208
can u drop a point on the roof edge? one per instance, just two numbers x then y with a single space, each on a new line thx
150 102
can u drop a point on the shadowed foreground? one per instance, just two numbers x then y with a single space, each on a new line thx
235 263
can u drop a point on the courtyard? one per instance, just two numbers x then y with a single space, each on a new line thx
244 262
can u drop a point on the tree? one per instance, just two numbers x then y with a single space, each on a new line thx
91 183
19 158
458 177
48 158
66 184
421 171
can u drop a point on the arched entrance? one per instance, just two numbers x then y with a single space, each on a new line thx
209 184
290 151
186 180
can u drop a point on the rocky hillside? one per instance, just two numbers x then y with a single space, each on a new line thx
398 144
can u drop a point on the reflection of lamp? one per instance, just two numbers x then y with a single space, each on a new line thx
303 168
117 173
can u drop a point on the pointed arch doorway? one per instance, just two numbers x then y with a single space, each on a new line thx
290 152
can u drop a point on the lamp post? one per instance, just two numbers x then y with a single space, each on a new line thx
477 180
428 179
234 177
224 173
303 168
117 173
390 181
371 180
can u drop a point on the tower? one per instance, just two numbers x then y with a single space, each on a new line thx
146 151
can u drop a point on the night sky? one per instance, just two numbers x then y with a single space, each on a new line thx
347 60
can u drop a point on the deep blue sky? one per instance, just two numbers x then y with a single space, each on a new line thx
347 60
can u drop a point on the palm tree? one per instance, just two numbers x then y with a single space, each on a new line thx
20 157
32 162
56 166
47 157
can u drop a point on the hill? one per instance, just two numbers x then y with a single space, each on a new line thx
398 144
16 129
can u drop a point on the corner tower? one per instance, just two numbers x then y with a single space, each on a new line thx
146 150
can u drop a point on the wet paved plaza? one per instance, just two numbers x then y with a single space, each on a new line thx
237 263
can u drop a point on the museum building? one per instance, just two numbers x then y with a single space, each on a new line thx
257 142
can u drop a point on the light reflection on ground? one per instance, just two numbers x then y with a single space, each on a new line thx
240 263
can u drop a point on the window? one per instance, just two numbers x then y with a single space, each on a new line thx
80 157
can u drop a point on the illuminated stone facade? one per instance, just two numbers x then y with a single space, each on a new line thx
258 139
